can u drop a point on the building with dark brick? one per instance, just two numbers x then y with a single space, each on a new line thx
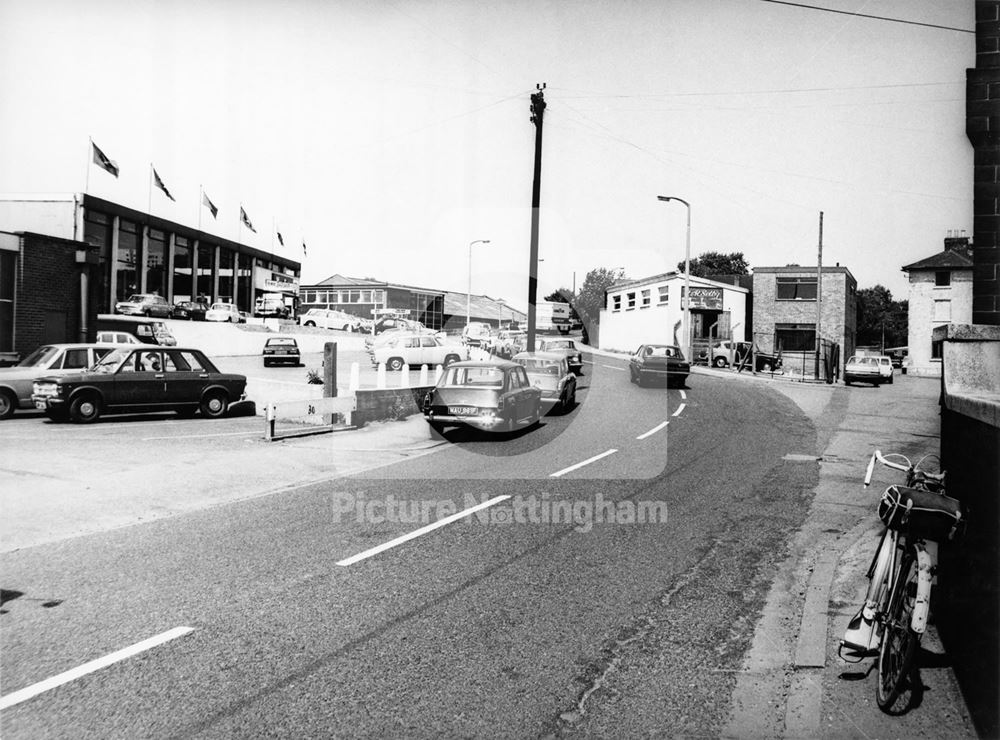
785 316
982 126
66 258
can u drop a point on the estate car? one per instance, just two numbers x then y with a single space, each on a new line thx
491 396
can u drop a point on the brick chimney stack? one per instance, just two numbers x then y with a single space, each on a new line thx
957 241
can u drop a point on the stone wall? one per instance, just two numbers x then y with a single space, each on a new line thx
388 403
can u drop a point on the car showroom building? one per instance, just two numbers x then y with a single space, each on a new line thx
66 258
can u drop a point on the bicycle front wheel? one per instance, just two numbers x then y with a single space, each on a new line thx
897 654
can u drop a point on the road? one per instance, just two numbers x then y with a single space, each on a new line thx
507 622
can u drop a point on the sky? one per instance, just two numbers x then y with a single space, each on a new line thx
389 135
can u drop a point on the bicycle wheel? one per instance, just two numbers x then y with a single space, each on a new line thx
897 654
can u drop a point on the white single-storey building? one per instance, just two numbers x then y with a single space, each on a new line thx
650 310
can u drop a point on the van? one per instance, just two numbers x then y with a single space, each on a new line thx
146 330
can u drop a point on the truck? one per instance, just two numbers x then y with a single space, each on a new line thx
552 316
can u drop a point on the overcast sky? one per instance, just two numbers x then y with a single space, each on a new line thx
389 135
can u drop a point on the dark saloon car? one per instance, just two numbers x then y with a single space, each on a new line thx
190 310
659 362
281 350
492 396
137 379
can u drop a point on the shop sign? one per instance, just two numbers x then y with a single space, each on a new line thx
708 298
274 282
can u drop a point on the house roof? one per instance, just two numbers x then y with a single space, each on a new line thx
954 259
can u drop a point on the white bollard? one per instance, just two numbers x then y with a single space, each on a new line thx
404 377
423 376
355 377
438 373
380 376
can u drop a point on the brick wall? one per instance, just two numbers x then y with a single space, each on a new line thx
982 125
47 297
838 311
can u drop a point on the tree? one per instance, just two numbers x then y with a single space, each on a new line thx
590 299
563 295
716 263
881 321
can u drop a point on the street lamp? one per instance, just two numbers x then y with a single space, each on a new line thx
686 314
468 296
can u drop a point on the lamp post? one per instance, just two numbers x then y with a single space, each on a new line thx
686 315
468 296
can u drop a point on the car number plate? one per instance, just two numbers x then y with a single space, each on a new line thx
40 405
462 410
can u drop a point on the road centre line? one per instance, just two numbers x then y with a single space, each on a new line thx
684 395
589 460
614 367
679 409
95 665
653 431
422 531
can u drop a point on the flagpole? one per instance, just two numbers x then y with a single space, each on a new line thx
90 156
201 204
149 208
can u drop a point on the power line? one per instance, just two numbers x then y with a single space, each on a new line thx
585 95
864 15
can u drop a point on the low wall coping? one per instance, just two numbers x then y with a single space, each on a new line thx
971 377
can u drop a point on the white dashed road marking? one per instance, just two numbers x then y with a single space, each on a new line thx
95 665
418 532
679 409
581 464
614 367
653 431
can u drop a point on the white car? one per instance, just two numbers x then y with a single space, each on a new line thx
328 318
415 350
116 337
224 312
874 369
49 360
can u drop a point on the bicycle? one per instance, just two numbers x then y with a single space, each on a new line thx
894 617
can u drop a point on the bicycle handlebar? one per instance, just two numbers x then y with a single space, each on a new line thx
908 468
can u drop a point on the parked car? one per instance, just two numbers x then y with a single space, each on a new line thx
550 373
385 323
414 349
728 353
224 312
874 369
509 342
564 346
116 337
897 355
328 318
138 379
147 331
381 340
281 349
144 304
272 305
49 359
658 361
494 396
476 334
190 310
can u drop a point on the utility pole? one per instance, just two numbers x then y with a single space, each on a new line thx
537 116
819 298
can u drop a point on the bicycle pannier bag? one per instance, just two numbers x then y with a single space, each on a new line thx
921 514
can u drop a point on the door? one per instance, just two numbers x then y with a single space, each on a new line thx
140 381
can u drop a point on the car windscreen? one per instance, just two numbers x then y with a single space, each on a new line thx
281 342
660 352
220 306
40 356
473 377
110 362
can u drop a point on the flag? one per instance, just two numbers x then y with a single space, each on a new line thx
303 247
246 220
159 183
101 159
280 240
210 204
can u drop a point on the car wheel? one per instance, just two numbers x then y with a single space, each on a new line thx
395 363
267 363
720 362
214 405
890 380
310 323
450 359
7 404
639 381
85 409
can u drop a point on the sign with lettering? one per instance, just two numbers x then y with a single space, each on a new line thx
708 298
275 282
